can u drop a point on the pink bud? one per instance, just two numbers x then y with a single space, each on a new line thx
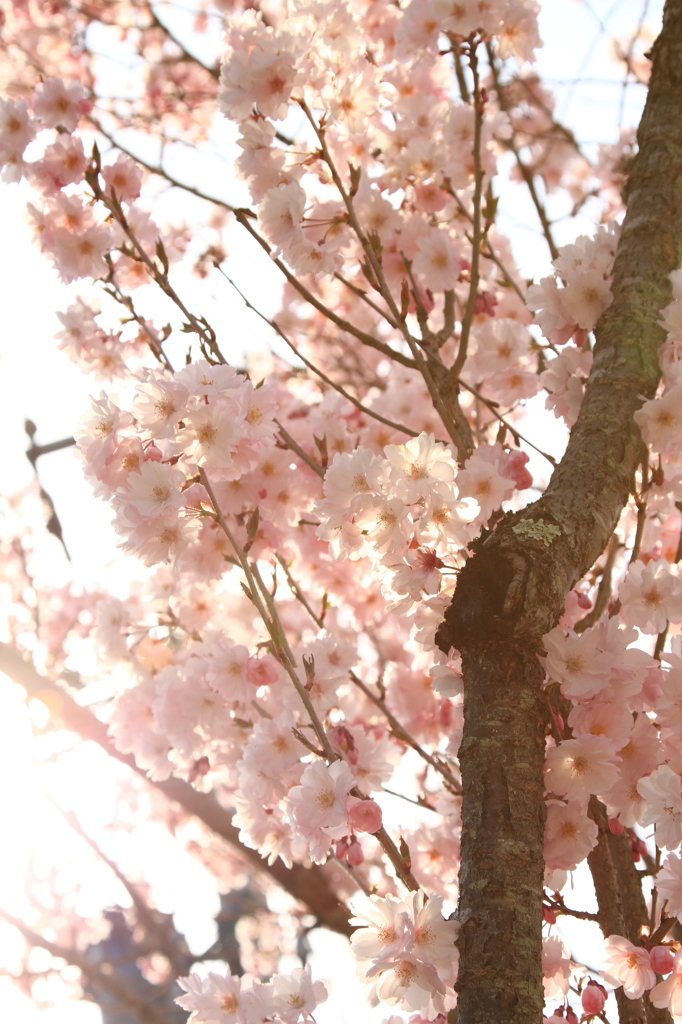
615 827
548 914
445 714
355 856
343 743
583 600
262 671
430 197
637 846
593 998
516 469
341 848
485 303
199 769
365 816
153 453
571 1015
662 959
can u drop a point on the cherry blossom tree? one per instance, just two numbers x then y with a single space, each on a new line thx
355 574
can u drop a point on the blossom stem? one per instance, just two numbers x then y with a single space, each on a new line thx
270 619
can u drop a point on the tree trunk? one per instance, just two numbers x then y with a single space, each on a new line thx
512 590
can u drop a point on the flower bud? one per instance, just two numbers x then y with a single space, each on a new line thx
662 959
548 915
262 671
593 998
365 816
355 856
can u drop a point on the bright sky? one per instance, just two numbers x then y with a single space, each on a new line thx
39 383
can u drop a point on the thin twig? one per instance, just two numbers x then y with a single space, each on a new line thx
526 172
512 430
111 288
323 376
362 294
604 590
295 447
242 217
298 593
214 72
467 319
157 170
401 733
259 593
204 331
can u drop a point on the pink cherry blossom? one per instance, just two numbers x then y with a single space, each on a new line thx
81 254
381 926
484 480
152 492
124 178
569 834
296 995
281 213
406 981
408 947
16 131
438 261
418 465
320 802
564 380
63 163
262 671
57 104
260 69
581 766
663 805
669 885
629 966
365 816
350 475
650 595
556 967
660 421
577 662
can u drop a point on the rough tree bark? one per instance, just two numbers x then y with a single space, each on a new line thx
512 590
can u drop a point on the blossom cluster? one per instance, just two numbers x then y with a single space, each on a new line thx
406 511
407 950
287 998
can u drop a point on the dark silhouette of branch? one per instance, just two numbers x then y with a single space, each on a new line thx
33 453
109 982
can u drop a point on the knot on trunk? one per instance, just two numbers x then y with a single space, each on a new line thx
507 590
